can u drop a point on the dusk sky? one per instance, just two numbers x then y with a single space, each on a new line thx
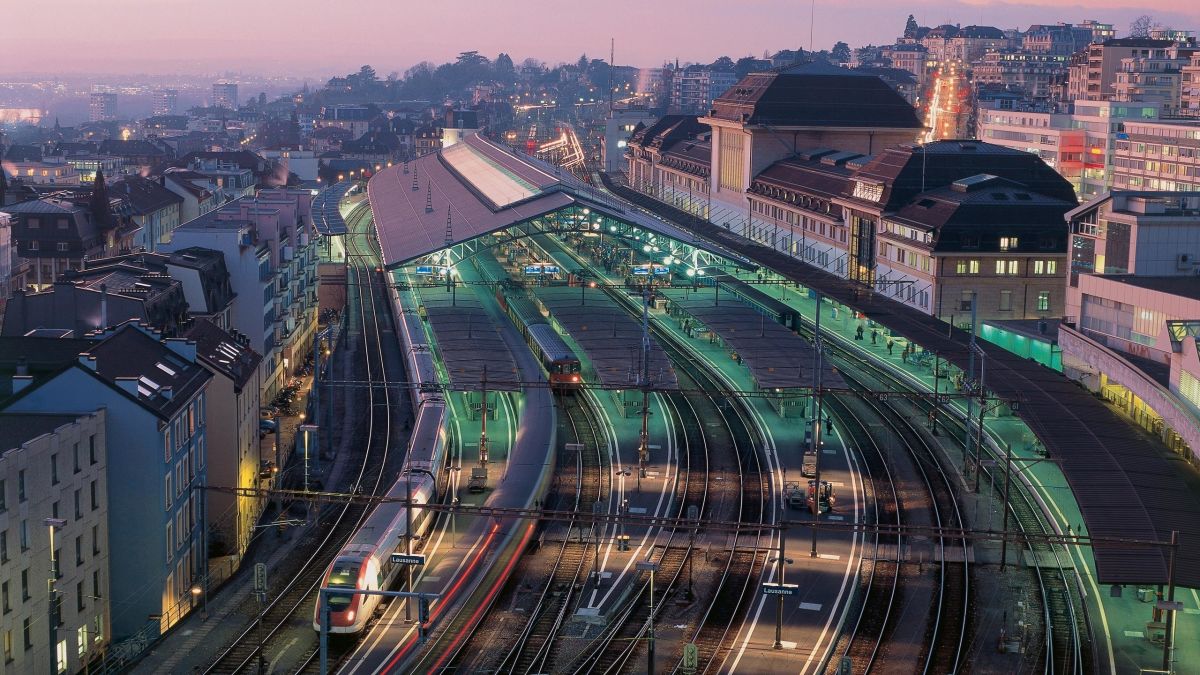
320 38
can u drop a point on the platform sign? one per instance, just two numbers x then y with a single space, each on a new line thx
769 588
408 559
551 269
533 269
641 271
660 270
424 269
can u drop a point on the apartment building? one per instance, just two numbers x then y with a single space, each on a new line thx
1159 155
693 88
53 476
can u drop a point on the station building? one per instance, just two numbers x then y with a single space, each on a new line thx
1133 309
841 186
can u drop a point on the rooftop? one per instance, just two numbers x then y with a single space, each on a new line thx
17 429
815 95
223 352
1181 286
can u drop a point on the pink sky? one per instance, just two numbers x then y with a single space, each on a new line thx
311 37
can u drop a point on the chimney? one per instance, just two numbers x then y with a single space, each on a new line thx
167 392
103 307
19 382
129 384
87 361
22 366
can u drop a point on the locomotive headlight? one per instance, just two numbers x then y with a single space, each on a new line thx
350 615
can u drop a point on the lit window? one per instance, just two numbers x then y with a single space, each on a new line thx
1043 301
1008 243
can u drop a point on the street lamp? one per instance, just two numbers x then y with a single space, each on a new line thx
199 594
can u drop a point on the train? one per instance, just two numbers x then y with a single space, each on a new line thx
558 360
365 562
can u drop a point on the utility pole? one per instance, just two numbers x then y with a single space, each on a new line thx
970 376
783 561
652 567
644 439
982 410
408 543
483 439
816 426
937 380
52 608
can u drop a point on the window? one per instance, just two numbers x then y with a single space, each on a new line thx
54 469
95 495
25 585
21 486
27 633
78 502
34 245
98 632
966 267
24 532
79 596
1005 301
78 550
62 247
96 584
95 540
61 656
1008 243
1043 301
81 642
4 597
54 509
966 300
92 448
8 646
4 546
1008 267
170 541
3 496
167 488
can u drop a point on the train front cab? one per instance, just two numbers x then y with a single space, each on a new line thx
346 612
565 375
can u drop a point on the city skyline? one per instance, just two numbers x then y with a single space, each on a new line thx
262 40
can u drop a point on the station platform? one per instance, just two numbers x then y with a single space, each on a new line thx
1101 455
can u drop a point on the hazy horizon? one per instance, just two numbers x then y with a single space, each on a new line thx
193 38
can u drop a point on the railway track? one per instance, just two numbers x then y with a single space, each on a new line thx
537 644
1066 645
879 578
334 526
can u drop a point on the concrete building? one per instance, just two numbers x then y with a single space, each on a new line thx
271 257
199 192
1133 300
1092 78
154 208
49 171
225 95
1081 145
102 106
1157 155
1033 74
88 164
618 128
767 117
299 161
54 467
233 423
931 226
353 118
86 300
693 88
1156 76
156 465
6 260
166 102
56 234
1061 39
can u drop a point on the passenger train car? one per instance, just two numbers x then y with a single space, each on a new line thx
365 562
558 360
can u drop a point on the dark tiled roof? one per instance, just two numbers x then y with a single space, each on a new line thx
165 379
668 130
23 153
223 353
909 170
17 429
1137 42
815 96
144 195
131 148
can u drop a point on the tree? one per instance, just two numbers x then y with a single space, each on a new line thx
1140 27
471 58
504 64
911 27
262 99
840 52
582 63
723 63
367 76
98 204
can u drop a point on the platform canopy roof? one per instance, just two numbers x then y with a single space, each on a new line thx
476 187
